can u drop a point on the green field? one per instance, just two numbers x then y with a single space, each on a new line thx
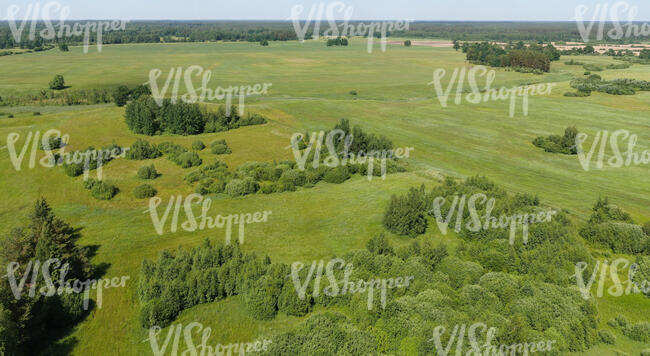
311 91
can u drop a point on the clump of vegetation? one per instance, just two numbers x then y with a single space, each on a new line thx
613 87
198 145
101 190
57 83
592 68
533 56
180 155
143 150
52 143
220 147
37 113
572 62
638 332
148 172
611 226
559 144
406 215
264 43
607 337
619 66
407 43
144 116
144 191
339 41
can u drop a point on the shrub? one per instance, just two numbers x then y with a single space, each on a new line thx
37 113
290 303
379 245
638 332
220 147
607 337
74 169
198 145
239 187
645 352
559 144
189 159
407 43
337 175
294 176
267 187
121 95
144 191
148 172
89 183
57 83
264 43
104 191
646 228
406 215
11 116
142 150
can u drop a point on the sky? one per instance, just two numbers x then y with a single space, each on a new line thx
434 10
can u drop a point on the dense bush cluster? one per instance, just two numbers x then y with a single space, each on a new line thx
180 155
337 42
29 324
614 87
144 191
148 172
612 227
283 176
76 165
220 147
144 116
559 144
518 56
446 290
101 190
143 150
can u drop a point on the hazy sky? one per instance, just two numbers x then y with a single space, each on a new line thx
454 10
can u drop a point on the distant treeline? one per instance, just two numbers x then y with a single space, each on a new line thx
257 31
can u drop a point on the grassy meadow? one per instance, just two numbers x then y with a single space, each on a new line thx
311 91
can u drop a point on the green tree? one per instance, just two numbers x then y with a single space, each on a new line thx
57 83
64 47
456 45
407 43
121 95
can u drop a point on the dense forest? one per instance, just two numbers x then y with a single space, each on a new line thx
258 31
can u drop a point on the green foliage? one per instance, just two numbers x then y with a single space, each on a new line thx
264 43
379 245
63 47
534 57
262 297
144 191
240 187
646 228
638 332
141 116
611 226
555 144
121 95
337 175
189 159
58 83
143 150
220 147
29 324
607 337
406 215
337 42
103 191
645 352
198 145
148 172
624 86
407 43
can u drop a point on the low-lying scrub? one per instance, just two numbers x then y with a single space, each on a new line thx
559 144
